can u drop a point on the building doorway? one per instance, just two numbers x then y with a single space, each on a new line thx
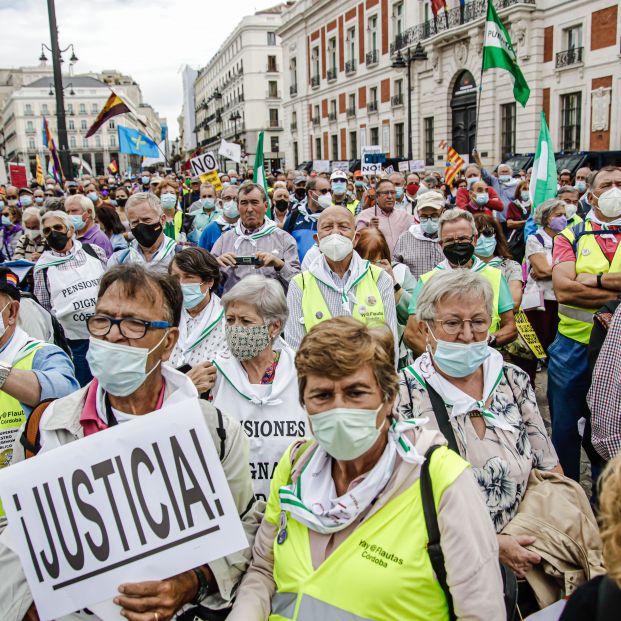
464 109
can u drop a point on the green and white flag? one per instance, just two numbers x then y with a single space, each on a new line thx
543 181
259 171
498 53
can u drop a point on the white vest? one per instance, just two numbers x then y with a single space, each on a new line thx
270 414
73 294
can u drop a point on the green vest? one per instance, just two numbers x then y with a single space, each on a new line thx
381 571
494 276
576 323
369 307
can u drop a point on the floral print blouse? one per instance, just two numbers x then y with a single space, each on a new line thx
503 459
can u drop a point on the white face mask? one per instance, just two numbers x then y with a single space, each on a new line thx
570 210
325 200
609 203
336 247
2 326
32 234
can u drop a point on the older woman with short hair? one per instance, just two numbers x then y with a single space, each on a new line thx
66 280
486 408
256 378
30 244
168 193
344 533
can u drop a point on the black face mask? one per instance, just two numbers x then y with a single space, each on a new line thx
300 193
73 191
459 254
57 240
146 234
121 202
282 204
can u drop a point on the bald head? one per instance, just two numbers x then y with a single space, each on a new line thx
336 219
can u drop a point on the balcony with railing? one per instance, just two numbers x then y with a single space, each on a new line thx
350 66
372 106
273 95
396 100
453 18
293 90
315 81
351 113
332 116
331 74
31 131
372 57
570 57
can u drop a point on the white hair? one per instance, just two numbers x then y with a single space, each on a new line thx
451 215
543 210
31 212
84 201
61 215
506 166
458 282
265 294
145 197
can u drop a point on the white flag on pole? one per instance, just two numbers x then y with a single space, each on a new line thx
230 150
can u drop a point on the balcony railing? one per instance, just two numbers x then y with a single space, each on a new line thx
293 90
273 95
315 120
566 58
372 57
315 81
331 74
351 113
274 123
452 19
332 116
396 100
372 106
31 130
350 66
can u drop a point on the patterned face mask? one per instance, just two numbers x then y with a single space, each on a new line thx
247 342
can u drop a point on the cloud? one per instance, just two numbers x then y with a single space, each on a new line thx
147 39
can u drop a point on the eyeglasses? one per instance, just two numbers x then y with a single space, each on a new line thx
455 326
388 193
488 232
60 228
129 327
324 191
462 239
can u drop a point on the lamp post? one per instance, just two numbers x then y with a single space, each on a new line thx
61 125
401 62
236 116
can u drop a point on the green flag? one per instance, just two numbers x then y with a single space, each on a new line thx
543 179
259 171
498 53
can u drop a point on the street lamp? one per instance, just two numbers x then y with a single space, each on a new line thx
63 145
236 116
401 62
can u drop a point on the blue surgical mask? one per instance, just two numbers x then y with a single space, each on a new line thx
168 201
6 221
459 359
504 178
230 209
399 193
430 225
339 187
482 199
92 196
119 369
525 196
359 184
26 200
78 223
485 246
192 294
145 180
580 186
209 204
346 433
2 204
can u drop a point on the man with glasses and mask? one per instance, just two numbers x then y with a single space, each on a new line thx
458 238
340 196
390 221
133 332
150 246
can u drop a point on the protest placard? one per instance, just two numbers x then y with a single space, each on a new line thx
321 166
417 165
18 175
369 164
205 166
342 165
404 166
527 332
144 500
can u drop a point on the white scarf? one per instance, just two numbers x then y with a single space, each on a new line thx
462 403
312 499
19 346
605 225
166 247
357 269
208 321
225 225
51 259
417 231
267 228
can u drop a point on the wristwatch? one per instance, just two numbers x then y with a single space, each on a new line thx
5 369
397 287
600 285
204 588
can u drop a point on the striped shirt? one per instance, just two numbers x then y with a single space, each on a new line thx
420 255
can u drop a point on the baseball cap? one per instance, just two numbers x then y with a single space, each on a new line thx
338 174
9 283
358 174
432 199
299 180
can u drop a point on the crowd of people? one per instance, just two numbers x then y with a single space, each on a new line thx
365 351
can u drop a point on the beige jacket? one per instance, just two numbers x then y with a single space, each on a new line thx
556 511
15 597
467 537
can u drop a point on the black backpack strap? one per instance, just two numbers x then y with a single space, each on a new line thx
444 424
88 248
434 549
292 220
221 433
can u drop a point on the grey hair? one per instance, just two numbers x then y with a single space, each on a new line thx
451 215
566 189
145 197
506 166
543 211
31 212
61 215
248 186
206 184
85 202
265 294
459 282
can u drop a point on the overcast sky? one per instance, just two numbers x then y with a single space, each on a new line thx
147 39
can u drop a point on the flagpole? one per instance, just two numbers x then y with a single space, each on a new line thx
476 129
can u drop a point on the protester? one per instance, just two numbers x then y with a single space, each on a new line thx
473 175
585 275
150 245
204 211
10 229
571 197
504 184
398 180
224 222
481 201
391 222
418 247
458 239
66 278
137 313
518 213
167 192
340 196
265 249
30 245
582 183
256 380
280 201
81 212
339 282
361 477
109 222
193 195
